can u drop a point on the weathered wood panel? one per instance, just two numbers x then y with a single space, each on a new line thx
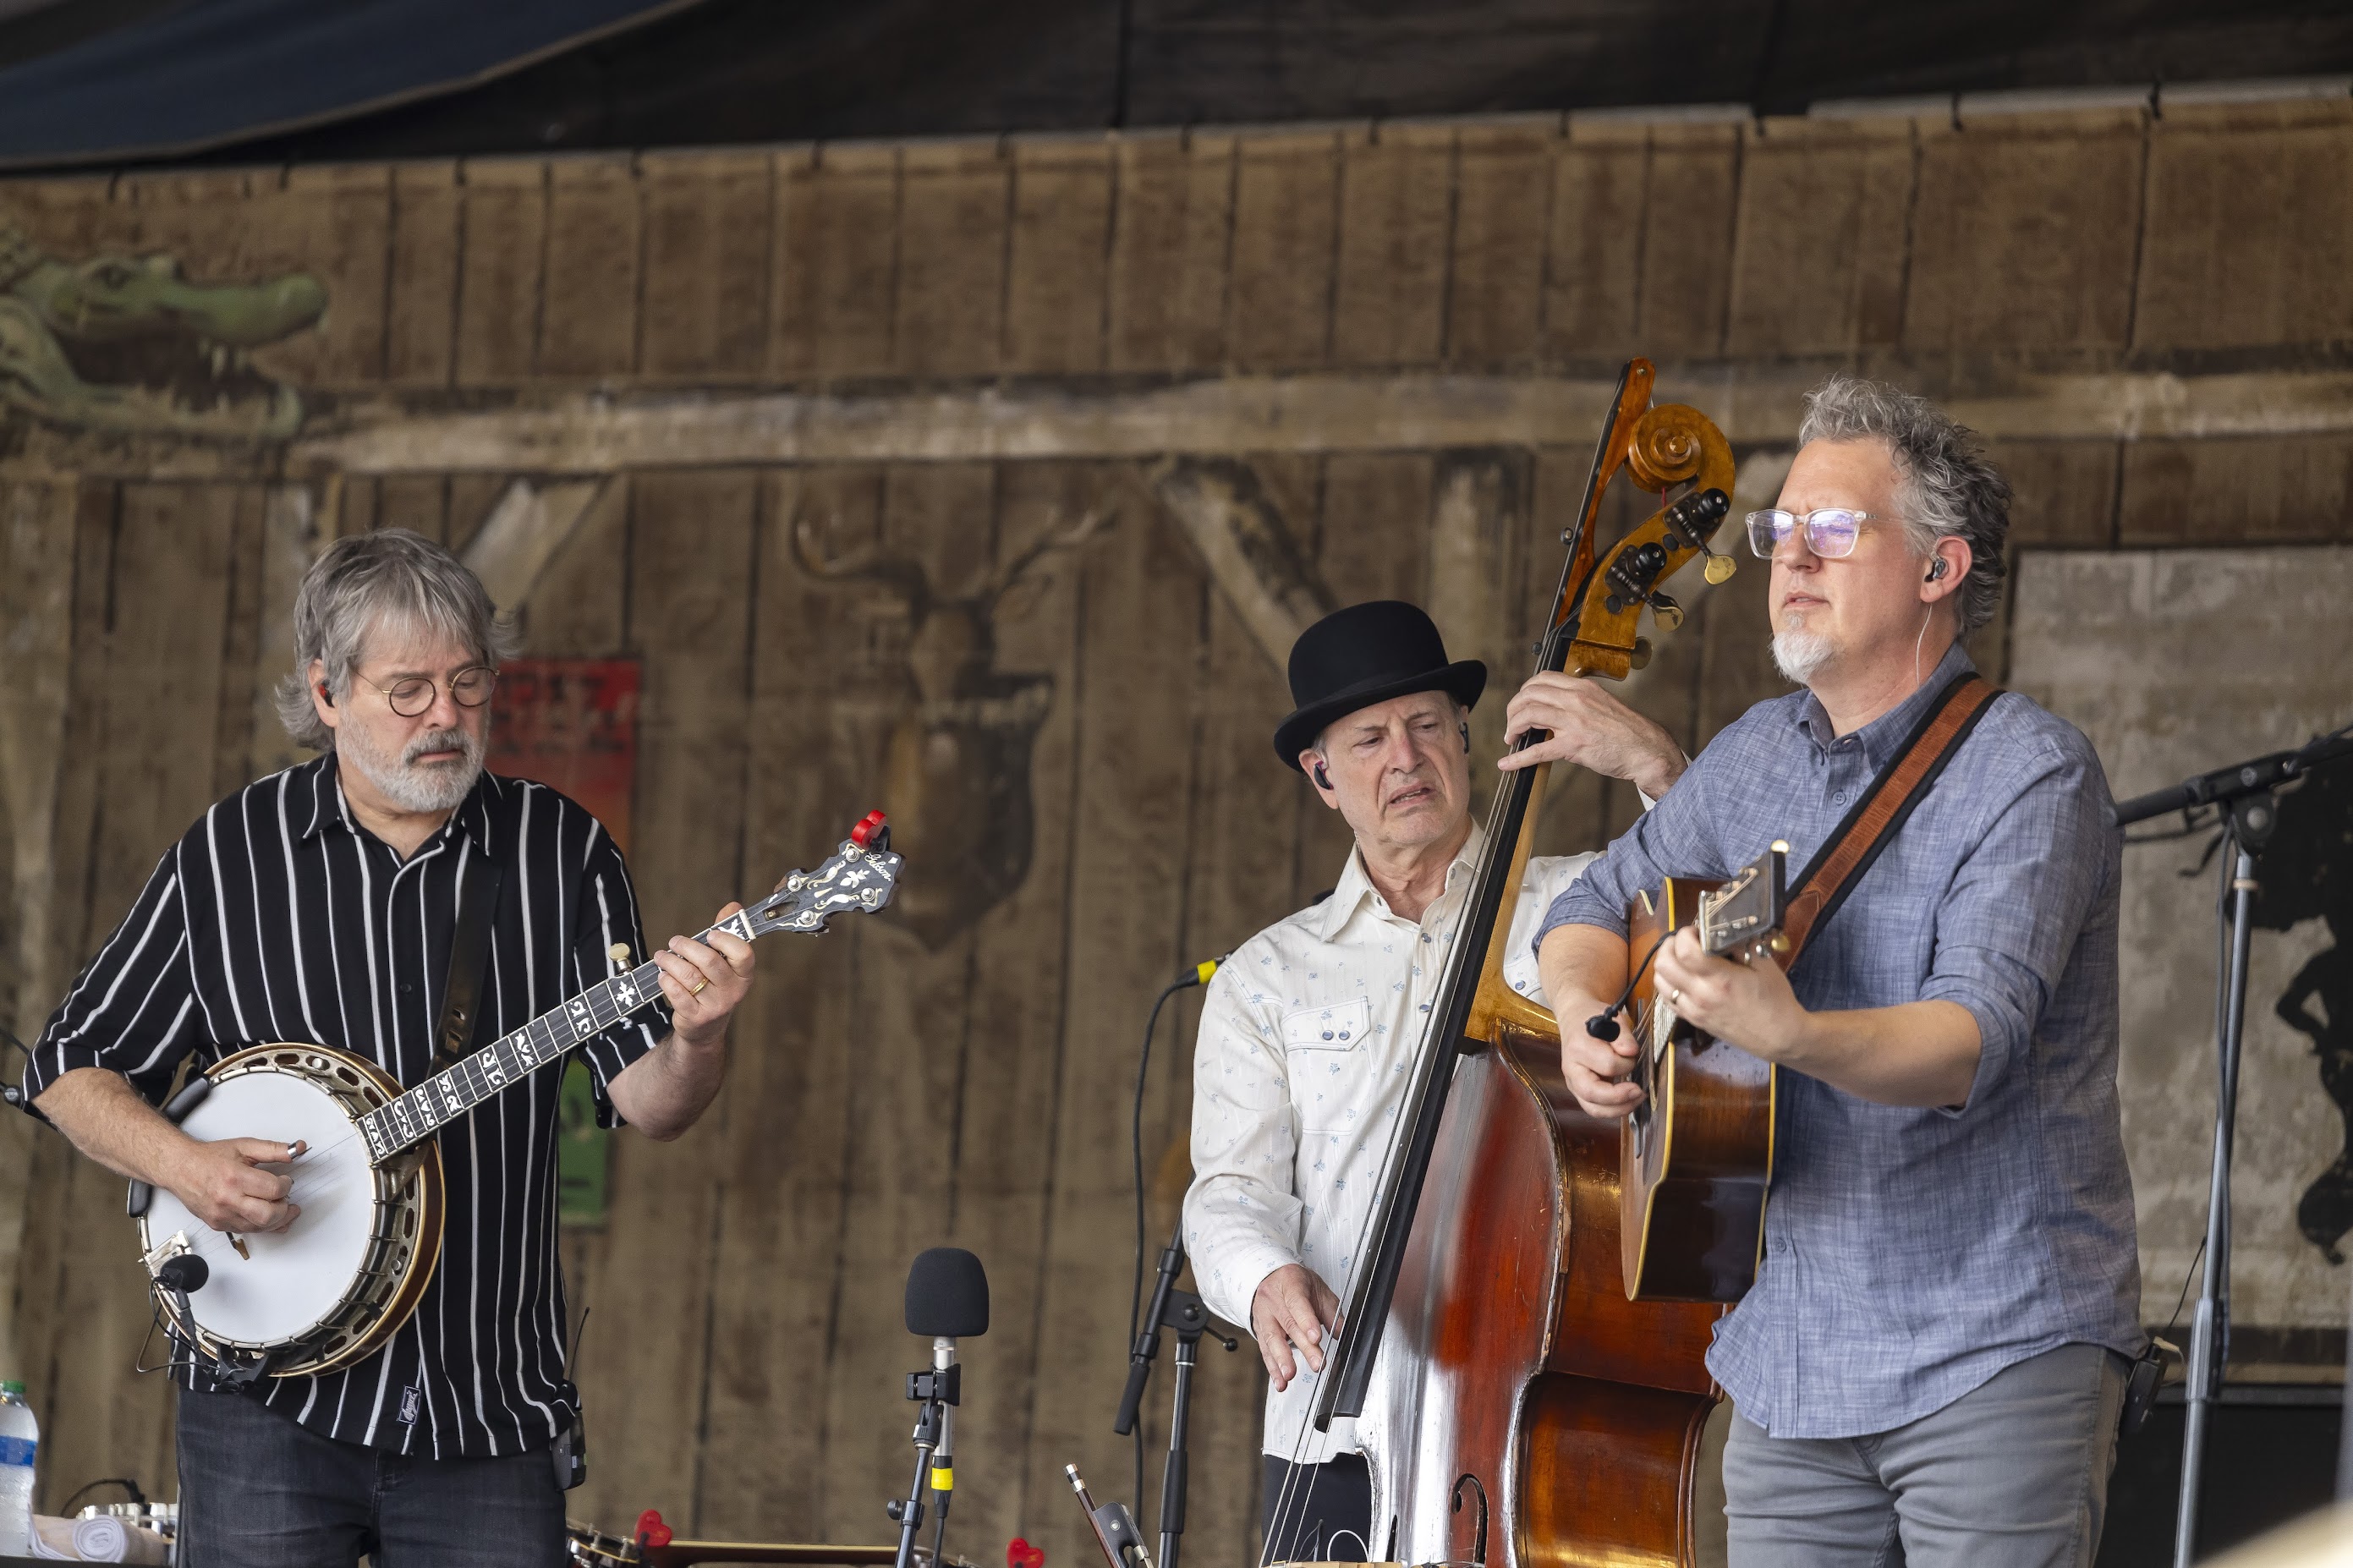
1829 204
2045 209
951 280
1286 223
837 262
1396 196
501 262
1340 300
588 299
1495 285
1057 269
1172 240
709 230
2250 219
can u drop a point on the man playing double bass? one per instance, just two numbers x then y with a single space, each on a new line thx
1309 1033
1930 1365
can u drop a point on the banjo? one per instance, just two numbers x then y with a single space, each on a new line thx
337 1283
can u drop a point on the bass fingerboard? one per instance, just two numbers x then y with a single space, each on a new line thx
451 1093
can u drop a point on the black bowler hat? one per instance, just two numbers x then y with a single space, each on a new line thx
1366 654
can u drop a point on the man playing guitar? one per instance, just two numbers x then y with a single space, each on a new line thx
1930 1365
321 905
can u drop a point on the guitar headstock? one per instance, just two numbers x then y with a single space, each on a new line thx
1743 918
860 878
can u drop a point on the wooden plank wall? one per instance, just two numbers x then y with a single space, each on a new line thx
743 1361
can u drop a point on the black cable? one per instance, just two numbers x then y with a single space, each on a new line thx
125 1482
1135 1141
2175 1322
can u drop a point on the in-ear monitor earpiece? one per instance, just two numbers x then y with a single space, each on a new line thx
1322 779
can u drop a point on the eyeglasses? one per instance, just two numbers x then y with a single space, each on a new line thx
470 688
1831 531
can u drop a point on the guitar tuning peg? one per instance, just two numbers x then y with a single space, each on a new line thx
618 953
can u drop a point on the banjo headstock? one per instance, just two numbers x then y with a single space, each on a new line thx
859 877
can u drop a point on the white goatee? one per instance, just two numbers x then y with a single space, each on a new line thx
408 784
1800 654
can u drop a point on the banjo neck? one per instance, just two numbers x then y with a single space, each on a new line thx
861 876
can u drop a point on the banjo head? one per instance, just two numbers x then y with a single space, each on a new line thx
323 1290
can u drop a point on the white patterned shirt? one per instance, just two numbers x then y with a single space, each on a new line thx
1300 1070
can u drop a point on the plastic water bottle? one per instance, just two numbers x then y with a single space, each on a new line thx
20 1442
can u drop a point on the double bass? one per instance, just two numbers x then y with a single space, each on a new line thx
1513 1407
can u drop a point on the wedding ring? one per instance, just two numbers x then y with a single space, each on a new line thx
700 988
1675 997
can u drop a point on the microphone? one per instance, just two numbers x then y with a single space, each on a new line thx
184 1272
947 1299
2238 779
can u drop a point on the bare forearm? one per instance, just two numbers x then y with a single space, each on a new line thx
665 1091
106 1120
1920 1054
1583 968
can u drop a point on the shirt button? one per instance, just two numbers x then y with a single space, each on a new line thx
1327 1034
1838 799
1343 1034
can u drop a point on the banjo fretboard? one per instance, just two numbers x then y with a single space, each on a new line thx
856 878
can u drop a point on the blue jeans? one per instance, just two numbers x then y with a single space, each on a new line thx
258 1491
2013 1474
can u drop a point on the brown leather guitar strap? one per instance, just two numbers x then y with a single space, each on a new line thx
1856 842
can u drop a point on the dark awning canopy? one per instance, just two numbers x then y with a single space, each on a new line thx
203 74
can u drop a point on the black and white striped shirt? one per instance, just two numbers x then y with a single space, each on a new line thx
278 917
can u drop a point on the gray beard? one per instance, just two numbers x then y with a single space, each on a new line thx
409 784
1799 655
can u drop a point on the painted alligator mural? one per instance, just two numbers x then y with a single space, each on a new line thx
125 343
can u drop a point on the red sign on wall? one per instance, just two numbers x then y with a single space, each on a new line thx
572 724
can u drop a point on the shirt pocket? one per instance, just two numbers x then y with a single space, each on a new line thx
1330 1063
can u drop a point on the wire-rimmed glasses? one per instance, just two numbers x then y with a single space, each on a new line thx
412 695
1831 531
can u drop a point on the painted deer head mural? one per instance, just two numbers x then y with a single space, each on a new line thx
955 754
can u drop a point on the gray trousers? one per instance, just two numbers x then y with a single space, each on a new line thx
2013 1474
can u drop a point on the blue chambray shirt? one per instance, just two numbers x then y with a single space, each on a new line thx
1910 1254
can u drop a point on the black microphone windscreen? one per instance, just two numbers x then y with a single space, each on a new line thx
947 1295
184 1272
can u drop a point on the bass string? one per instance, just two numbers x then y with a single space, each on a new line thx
1391 1155
1550 657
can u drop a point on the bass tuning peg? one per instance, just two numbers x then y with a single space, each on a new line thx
1666 611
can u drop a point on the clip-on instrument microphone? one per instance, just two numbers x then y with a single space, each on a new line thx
947 1299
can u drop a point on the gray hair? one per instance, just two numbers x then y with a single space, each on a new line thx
1948 489
390 575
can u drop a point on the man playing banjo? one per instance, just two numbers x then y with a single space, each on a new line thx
321 905
1302 1063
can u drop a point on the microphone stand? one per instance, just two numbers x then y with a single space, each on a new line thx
1183 1314
2245 793
937 1389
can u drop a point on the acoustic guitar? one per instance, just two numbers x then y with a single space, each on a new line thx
1697 1155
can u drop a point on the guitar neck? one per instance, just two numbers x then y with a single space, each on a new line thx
440 1099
